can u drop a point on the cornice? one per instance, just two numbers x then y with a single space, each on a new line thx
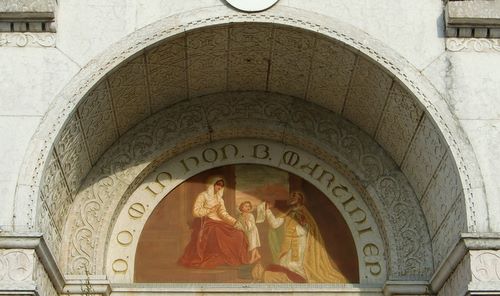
27 23
478 19
467 242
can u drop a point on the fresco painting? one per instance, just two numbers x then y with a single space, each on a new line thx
246 224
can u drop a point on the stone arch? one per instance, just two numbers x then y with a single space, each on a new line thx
334 141
60 139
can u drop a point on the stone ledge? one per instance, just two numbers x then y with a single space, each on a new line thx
35 241
467 242
479 18
27 15
477 12
27 5
406 288
473 44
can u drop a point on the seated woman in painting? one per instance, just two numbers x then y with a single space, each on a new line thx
217 238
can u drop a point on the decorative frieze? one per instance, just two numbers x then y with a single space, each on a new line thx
16 265
473 44
20 39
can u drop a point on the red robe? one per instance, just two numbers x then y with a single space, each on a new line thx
215 243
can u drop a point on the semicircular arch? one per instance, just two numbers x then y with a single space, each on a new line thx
53 168
198 123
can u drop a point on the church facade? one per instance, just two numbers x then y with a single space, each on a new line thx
310 147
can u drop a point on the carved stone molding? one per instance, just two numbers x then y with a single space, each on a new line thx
27 5
473 258
478 18
485 265
44 285
45 268
458 282
478 273
27 39
27 15
473 45
16 265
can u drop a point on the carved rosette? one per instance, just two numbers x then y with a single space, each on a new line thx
16 267
485 265
20 39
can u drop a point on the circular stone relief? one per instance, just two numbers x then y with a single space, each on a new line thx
251 5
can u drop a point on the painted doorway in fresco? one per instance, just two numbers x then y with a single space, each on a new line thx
173 233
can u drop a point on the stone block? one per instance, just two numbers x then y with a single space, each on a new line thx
480 32
465 32
448 233
495 32
129 92
207 61
291 62
423 156
331 70
367 95
458 282
167 78
478 12
18 6
483 135
484 265
17 267
42 279
73 154
399 122
441 194
249 57
98 121
25 208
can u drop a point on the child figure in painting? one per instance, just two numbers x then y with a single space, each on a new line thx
247 219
